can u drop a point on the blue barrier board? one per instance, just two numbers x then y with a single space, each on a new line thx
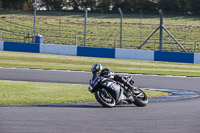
96 52
174 57
22 47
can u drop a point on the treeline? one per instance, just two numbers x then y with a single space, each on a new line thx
105 5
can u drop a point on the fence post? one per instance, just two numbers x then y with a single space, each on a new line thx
121 14
35 9
161 30
85 30
154 44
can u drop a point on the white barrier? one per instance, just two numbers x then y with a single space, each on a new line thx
134 54
1 45
196 58
58 49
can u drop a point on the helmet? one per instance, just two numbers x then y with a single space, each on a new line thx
96 68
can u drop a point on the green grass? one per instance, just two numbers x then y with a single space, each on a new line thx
12 92
76 63
28 93
103 30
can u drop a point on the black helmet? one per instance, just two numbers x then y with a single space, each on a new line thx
96 68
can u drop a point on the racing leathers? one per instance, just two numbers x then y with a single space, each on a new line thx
106 73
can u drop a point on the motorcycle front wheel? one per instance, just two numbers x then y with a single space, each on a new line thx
105 98
140 99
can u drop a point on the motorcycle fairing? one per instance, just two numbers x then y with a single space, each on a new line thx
110 84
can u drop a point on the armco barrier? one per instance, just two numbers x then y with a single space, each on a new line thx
197 58
58 49
96 52
134 54
21 47
1 45
174 57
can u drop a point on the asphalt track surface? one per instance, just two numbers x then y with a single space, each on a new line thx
177 116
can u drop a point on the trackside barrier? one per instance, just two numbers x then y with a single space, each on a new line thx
58 49
174 57
96 52
102 52
21 47
1 45
197 58
134 54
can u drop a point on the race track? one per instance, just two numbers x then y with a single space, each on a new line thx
179 116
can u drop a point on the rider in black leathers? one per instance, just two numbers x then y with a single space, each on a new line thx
98 69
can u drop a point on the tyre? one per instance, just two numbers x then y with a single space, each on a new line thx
104 98
140 99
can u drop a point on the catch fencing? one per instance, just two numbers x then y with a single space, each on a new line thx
102 29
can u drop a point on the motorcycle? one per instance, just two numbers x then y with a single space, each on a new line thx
103 88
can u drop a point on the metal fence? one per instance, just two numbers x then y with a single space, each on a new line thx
102 29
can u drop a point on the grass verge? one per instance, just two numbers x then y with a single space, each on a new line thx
76 63
28 93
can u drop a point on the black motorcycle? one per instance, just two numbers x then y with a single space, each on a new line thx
103 90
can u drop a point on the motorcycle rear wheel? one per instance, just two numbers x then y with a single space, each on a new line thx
141 99
103 100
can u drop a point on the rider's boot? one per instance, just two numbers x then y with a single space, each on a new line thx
132 88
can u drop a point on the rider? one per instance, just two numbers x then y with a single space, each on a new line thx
97 69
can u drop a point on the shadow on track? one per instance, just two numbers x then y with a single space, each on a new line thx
71 105
81 105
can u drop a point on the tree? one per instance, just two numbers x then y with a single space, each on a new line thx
168 5
143 5
75 4
130 5
104 5
52 4
194 5
183 5
0 3
14 4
